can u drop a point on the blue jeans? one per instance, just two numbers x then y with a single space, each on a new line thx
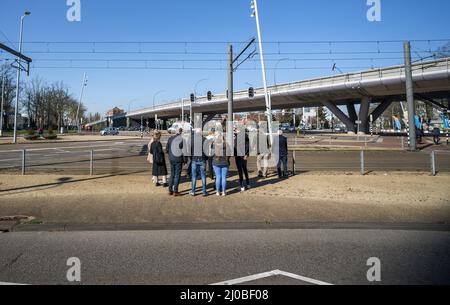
198 165
283 160
175 173
221 178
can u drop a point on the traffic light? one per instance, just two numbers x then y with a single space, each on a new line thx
210 96
251 92
192 98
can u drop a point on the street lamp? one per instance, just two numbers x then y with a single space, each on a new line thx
275 70
131 102
83 84
154 97
16 110
3 101
255 13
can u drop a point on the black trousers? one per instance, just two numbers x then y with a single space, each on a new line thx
210 168
241 165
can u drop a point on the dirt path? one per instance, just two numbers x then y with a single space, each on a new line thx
378 198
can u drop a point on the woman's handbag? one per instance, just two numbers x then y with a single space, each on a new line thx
150 158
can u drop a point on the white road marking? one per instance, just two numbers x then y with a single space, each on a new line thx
11 284
61 148
16 159
255 277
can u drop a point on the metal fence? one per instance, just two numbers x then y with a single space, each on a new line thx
132 159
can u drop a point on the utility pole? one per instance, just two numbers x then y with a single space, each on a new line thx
230 96
3 101
83 84
410 96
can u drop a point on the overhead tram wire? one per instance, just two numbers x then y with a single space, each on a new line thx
240 42
330 53
194 68
207 60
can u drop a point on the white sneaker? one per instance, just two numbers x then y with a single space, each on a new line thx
242 189
192 194
218 194
224 194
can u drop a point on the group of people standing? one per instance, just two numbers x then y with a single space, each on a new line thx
200 153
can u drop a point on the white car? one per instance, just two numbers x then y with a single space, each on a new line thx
177 125
109 131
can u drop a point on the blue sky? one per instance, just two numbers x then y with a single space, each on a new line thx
206 21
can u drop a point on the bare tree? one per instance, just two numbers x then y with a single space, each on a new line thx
50 106
9 93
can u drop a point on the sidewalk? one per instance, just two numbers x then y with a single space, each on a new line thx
323 198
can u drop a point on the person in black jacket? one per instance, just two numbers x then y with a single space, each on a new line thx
176 158
283 146
198 160
159 168
241 155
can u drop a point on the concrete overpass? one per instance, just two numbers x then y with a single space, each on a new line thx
376 86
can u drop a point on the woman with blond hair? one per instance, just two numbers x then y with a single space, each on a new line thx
221 164
159 170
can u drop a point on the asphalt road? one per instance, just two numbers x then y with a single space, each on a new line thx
130 157
208 257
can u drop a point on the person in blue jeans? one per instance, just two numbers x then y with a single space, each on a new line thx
177 159
221 165
283 151
198 161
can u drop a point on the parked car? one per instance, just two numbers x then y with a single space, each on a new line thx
109 131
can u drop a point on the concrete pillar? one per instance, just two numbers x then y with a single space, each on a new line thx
128 122
341 115
364 115
381 109
352 112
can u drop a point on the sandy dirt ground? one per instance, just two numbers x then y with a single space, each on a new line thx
376 198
